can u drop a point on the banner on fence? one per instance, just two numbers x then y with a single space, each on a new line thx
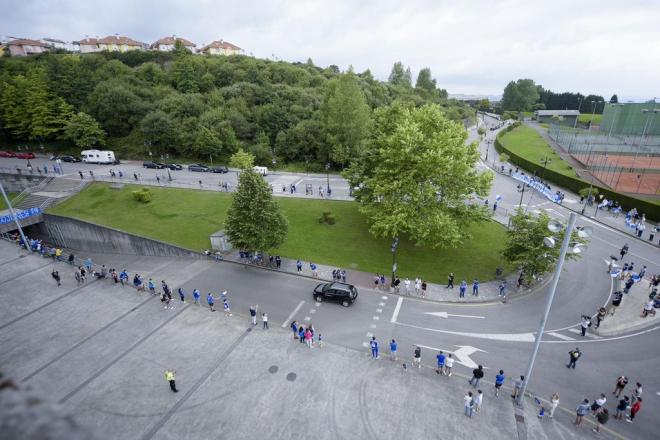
20 215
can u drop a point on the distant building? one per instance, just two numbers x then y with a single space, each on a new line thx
72 46
221 48
564 117
24 46
113 43
166 44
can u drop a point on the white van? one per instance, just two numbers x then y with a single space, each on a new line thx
261 170
98 156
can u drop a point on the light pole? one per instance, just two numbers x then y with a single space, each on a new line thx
553 226
521 190
13 215
591 185
593 113
59 165
327 177
545 161
395 245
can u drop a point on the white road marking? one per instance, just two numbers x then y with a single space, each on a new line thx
307 318
372 325
552 211
510 337
397 309
618 247
381 304
384 297
562 337
318 304
312 311
376 318
365 344
379 310
446 315
288 320
369 334
579 332
462 355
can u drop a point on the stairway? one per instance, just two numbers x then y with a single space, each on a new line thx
48 193
32 201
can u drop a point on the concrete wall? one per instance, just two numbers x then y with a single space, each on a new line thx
19 182
83 236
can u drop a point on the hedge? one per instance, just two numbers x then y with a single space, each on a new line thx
575 184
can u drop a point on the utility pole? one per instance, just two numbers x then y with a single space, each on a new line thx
395 245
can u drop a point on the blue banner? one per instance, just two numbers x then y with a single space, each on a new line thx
20 215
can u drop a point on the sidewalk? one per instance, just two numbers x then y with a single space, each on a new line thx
627 316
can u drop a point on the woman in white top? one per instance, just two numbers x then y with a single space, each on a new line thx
554 402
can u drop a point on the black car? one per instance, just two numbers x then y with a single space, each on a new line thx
198 167
150 164
69 159
219 169
173 166
345 294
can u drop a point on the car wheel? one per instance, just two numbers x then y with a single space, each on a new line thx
318 298
345 303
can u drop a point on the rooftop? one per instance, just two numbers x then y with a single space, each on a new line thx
557 112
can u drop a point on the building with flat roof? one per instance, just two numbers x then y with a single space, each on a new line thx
565 117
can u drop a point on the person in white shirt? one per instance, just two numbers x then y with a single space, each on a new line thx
478 399
449 362
468 402
648 309
406 283
554 402
418 286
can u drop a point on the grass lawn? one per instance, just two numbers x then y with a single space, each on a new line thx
10 196
188 217
528 143
586 117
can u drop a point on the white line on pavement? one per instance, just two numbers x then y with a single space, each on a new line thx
288 320
509 337
562 337
379 310
397 309
588 335
384 297
376 318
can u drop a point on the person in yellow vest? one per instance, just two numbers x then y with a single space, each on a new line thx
169 376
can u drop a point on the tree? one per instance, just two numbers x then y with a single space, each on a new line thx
185 79
417 177
117 108
425 80
484 105
346 117
48 113
241 160
84 131
525 247
159 128
520 95
255 222
614 99
400 76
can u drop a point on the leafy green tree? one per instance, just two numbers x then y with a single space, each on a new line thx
425 80
346 117
417 177
271 119
400 76
15 113
254 220
614 99
185 78
484 105
117 108
525 248
159 128
241 160
48 112
215 135
520 95
84 131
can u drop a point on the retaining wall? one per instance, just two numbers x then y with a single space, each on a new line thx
19 182
83 236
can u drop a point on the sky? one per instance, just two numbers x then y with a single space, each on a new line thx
472 47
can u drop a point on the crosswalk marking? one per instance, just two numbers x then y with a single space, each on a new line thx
562 337
579 332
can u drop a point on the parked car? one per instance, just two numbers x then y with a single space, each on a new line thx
27 155
67 158
345 294
219 169
155 165
173 166
198 167
7 154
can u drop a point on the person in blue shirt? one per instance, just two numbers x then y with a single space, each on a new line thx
196 295
393 347
151 286
441 363
225 306
499 381
209 300
374 348
301 334
475 287
299 265
462 288
88 264
123 277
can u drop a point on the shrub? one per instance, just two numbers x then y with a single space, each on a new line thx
143 195
327 217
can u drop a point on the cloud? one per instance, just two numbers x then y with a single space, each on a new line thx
476 46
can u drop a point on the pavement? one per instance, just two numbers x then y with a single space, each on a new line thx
98 352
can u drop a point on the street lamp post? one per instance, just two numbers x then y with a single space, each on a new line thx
395 245
327 177
13 215
591 185
548 304
521 190
545 161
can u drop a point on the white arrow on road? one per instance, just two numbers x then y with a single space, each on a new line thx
447 315
462 355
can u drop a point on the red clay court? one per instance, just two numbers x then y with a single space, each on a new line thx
623 176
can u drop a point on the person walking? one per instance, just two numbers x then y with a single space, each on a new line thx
581 411
196 295
418 286
308 338
424 289
621 383
478 400
393 347
449 363
56 276
573 357
585 324
293 326
264 319
417 357
502 289
395 284
621 408
374 348
151 286
299 266
554 402
253 315
461 289
182 294
441 363
301 334
499 381
517 386
600 316
477 374
225 306
406 284
169 376
634 409
450 280
602 417
468 404
637 393
475 287
210 301
598 404
624 251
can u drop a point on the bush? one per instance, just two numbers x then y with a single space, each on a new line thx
143 195
328 218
